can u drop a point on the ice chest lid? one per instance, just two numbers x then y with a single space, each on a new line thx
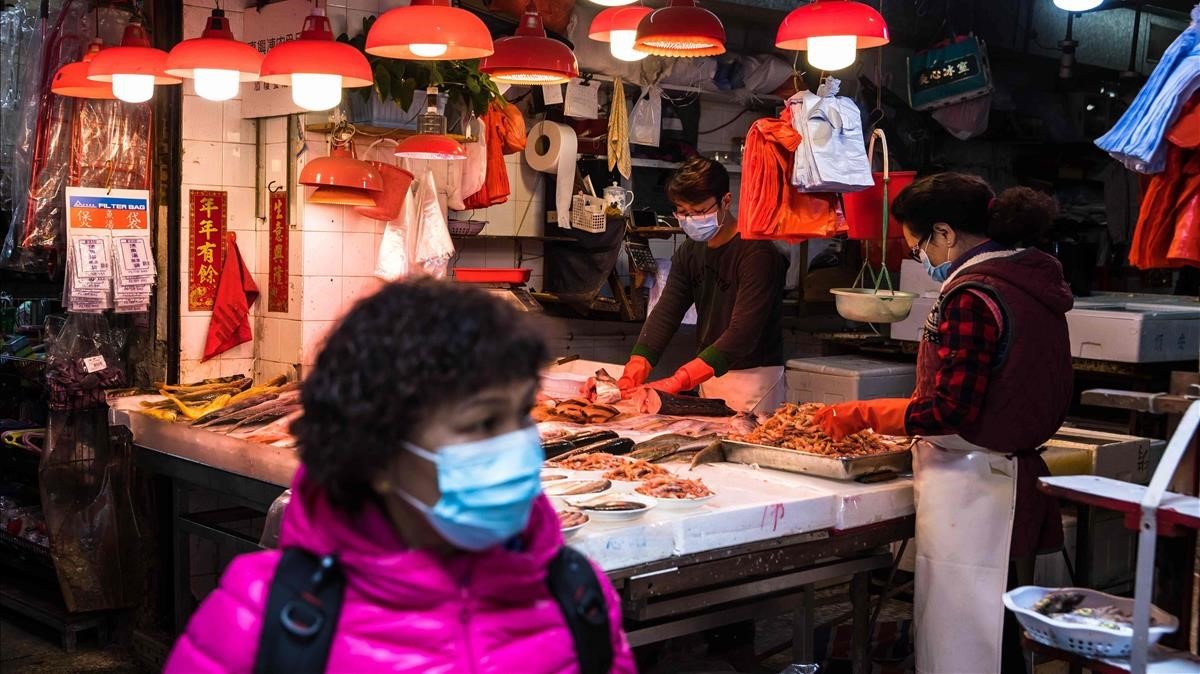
850 366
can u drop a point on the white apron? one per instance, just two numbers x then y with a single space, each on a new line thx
758 389
965 497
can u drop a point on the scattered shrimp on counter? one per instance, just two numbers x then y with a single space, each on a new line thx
596 461
791 427
669 486
635 470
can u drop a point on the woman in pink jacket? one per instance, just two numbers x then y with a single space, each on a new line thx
420 487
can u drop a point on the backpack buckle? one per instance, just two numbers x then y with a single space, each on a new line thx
301 618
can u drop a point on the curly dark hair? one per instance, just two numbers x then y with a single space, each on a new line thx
408 349
1019 215
698 179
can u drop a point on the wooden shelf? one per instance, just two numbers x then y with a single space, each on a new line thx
381 132
714 95
513 237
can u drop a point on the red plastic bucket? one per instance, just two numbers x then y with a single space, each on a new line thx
864 210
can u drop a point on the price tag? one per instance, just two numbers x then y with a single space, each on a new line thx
94 364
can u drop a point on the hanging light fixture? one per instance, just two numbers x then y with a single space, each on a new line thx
429 30
72 79
216 62
341 178
618 27
613 3
430 141
133 68
1077 5
529 57
681 29
316 66
832 31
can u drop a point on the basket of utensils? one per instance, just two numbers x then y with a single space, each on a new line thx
587 214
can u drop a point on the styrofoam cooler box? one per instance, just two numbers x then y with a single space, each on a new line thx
909 329
564 381
835 379
1135 333
913 278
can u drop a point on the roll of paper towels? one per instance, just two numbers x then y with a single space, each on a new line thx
553 148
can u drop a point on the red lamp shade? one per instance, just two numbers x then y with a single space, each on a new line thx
681 29
430 146
341 169
215 49
71 79
826 18
429 30
315 52
529 57
616 18
135 56
342 196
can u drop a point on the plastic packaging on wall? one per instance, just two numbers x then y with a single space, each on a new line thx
83 360
19 40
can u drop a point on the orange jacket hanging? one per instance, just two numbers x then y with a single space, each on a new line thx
1168 227
770 208
505 129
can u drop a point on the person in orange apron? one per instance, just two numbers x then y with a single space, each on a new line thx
994 382
737 289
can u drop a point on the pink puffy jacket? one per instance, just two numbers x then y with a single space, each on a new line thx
405 610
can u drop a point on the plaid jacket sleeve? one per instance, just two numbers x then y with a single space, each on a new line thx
969 341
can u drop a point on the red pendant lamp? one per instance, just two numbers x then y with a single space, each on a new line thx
215 61
316 66
618 27
71 79
430 146
429 30
341 179
529 57
832 31
133 68
681 29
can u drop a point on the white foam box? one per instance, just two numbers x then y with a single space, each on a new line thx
913 278
909 329
835 379
1135 333
564 381
1113 553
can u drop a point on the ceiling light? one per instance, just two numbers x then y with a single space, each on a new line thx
430 146
429 30
529 57
832 31
216 61
618 27
316 66
133 68
681 29
1077 5
72 79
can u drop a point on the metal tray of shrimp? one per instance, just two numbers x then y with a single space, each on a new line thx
835 467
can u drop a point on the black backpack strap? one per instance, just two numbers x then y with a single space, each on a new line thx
302 613
573 584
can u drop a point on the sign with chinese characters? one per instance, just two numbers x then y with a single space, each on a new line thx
262 29
110 262
206 246
277 265
941 74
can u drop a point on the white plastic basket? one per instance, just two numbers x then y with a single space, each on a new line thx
1086 640
587 214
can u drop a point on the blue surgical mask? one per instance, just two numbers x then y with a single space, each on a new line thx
488 488
939 273
701 227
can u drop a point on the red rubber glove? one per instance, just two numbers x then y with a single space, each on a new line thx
634 375
884 415
686 378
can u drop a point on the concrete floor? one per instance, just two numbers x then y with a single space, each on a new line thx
29 648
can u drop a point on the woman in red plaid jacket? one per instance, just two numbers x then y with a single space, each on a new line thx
994 382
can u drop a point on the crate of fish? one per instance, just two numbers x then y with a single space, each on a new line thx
1087 622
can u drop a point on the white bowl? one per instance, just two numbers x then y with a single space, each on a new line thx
552 489
681 503
1092 641
582 503
866 305
568 531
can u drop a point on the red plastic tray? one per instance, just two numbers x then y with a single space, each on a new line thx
492 275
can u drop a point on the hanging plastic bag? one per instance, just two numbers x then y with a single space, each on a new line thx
434 247
645 122
394 250
832 156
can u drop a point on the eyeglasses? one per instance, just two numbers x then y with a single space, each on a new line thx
680 215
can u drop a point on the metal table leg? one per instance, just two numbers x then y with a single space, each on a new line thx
860 600
803 622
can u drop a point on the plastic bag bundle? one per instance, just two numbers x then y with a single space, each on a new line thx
1137 139
832 156
645 121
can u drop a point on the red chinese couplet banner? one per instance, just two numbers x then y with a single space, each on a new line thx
277 282
206 246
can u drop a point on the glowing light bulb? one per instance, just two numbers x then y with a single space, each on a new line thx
621 45
428 50
1077 5
133 88
316 91
831 52
613 3
216 85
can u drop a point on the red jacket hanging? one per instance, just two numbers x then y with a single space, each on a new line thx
505 129
1168 227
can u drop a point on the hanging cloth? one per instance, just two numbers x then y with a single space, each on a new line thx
1138 138
1168 228
497 127
236 291
618 132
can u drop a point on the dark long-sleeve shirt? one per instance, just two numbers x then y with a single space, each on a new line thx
738 292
